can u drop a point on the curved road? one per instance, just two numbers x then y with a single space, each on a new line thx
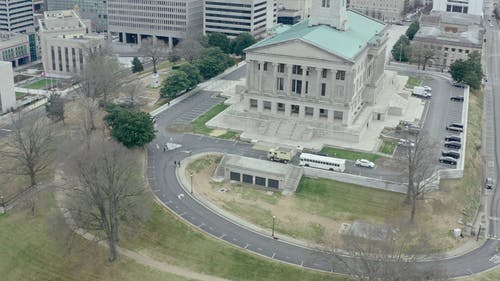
162 177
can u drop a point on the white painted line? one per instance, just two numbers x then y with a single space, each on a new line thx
201 224
7 130
274 254
234 239
247 246
222 236
302 263
183 213
259 249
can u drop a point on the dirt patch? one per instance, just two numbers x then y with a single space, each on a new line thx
179 128
217 132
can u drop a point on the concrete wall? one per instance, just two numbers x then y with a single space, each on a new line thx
354 179
7 93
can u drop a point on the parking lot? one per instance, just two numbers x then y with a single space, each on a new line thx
441 112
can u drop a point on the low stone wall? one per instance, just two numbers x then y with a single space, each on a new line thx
359 180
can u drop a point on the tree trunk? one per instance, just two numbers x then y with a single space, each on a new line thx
32 178
413 208
112 249
154 66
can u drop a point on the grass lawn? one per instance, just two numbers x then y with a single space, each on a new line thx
348 154
387 147
343 201
20 95
40 84
492 275
34 248
199 124
168 239
412 82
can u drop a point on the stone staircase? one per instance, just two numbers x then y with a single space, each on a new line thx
292 181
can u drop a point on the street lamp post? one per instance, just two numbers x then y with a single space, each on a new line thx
274 219
191 183
400 51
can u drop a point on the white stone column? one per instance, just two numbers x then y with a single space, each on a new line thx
248 75
304 78
317 94
261 73
288 80
275 78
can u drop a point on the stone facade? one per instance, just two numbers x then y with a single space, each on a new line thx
385 10
14 48
7 92
95 10
233 17
66 42
16 16
132 21
453 36
470 7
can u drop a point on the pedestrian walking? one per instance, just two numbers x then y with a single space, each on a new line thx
164 149
175 163
179 163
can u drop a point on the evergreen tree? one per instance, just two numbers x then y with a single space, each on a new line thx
412 29
137 65
176 83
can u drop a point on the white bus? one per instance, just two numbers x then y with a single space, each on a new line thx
322 162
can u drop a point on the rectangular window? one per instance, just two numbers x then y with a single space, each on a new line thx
253 103
295 108
323 89
453 49
273 183
296 86
338 115
281 68
446 48
235 176
325 3
260 181
324 73
267 105
309 111
280 83
247 178
280 107
323 113
297 69
307 87
265 66
340 75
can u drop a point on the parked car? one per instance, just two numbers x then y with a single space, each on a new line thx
424 95
459 125
448 160
488 183
428 89
364 163
453 138
453 144
453 128
457 98
459 85
450 153
406 142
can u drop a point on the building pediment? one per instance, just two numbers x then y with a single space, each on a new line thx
297 49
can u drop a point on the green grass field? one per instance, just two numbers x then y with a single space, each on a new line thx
412 82
388 147
35 248
348 154
40 84
199 126
168 239
340 201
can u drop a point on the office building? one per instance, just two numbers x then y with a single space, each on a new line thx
95 10
233 17
130 21
470 7
14 48
385 10
66 42
16 16
7 92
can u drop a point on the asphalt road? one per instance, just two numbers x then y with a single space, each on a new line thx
162 177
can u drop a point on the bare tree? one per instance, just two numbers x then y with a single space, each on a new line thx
420 162
108 192
98 80
189 48
29 147
389 258
153 49
131 90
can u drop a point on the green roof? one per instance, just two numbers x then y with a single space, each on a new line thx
360 30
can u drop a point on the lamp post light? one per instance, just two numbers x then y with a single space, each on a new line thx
191 183
274 219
